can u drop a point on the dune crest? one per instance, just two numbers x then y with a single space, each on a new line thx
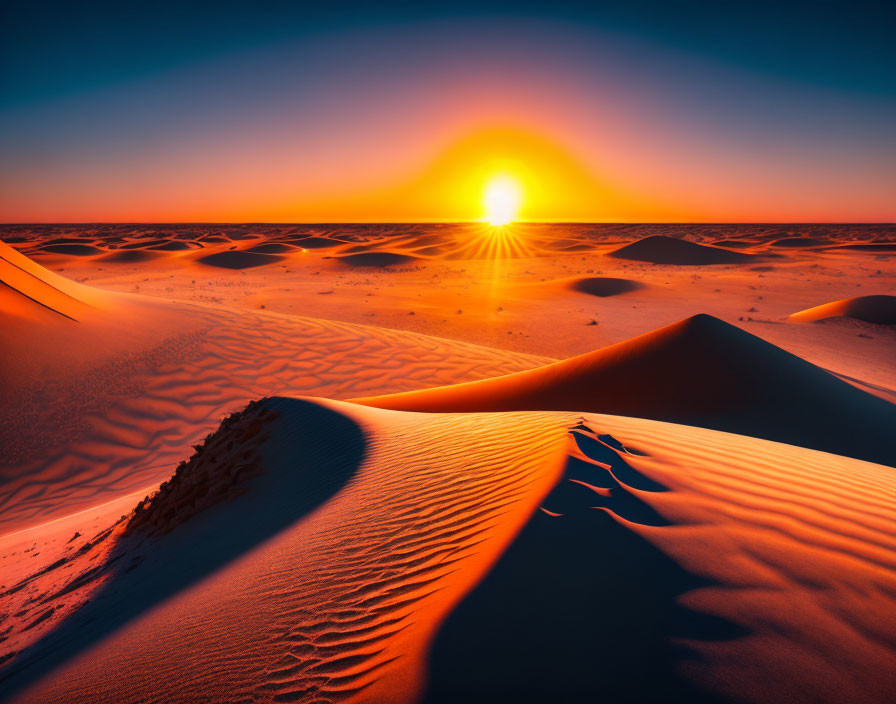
31 291
699 371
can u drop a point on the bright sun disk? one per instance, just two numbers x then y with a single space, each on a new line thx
502 200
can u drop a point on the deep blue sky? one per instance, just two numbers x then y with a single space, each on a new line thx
48 48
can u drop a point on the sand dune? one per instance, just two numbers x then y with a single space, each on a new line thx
238 259
75 250
801 242
316 242
605 286
870 309
388 556
659 249
699 371
376 259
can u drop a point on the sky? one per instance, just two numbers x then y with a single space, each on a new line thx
632 111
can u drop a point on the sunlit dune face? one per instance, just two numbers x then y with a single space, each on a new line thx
502 201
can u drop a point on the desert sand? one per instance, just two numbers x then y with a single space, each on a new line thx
408 463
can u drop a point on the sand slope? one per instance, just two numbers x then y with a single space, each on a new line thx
699 371
615 558
128 388
30 291
870 309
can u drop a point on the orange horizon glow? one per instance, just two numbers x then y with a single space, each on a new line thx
447 185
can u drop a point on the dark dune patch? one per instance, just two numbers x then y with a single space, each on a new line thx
869 247
604 287
75 250
377 259
238 260
660 249
272 248
144 245
798 242
69 240
734 244
316 242
174 246
130 256
880 310
215 239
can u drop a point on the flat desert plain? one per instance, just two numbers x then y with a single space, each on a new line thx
448 462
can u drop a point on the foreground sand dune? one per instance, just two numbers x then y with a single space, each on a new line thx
387 556
699 371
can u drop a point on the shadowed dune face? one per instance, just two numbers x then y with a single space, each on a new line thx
659 249
272 248
798 242
377 259
603 287
880 310
173 246
220 504
682 572
699 371
75 250
238 259
316 242
131 256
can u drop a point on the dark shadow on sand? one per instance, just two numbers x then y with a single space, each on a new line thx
580 608
310 454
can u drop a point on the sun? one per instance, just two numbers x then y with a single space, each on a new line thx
502 200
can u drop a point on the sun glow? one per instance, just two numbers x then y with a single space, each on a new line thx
502 200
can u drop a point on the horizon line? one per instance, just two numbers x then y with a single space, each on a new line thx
450 222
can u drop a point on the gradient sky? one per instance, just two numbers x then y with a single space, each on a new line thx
637 111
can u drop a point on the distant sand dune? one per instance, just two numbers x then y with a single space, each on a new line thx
605 286
699 371
870 309
377 259
238 259
659 249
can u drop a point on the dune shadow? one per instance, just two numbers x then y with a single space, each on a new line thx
604 287
238 259
376 259
580 607
308 454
